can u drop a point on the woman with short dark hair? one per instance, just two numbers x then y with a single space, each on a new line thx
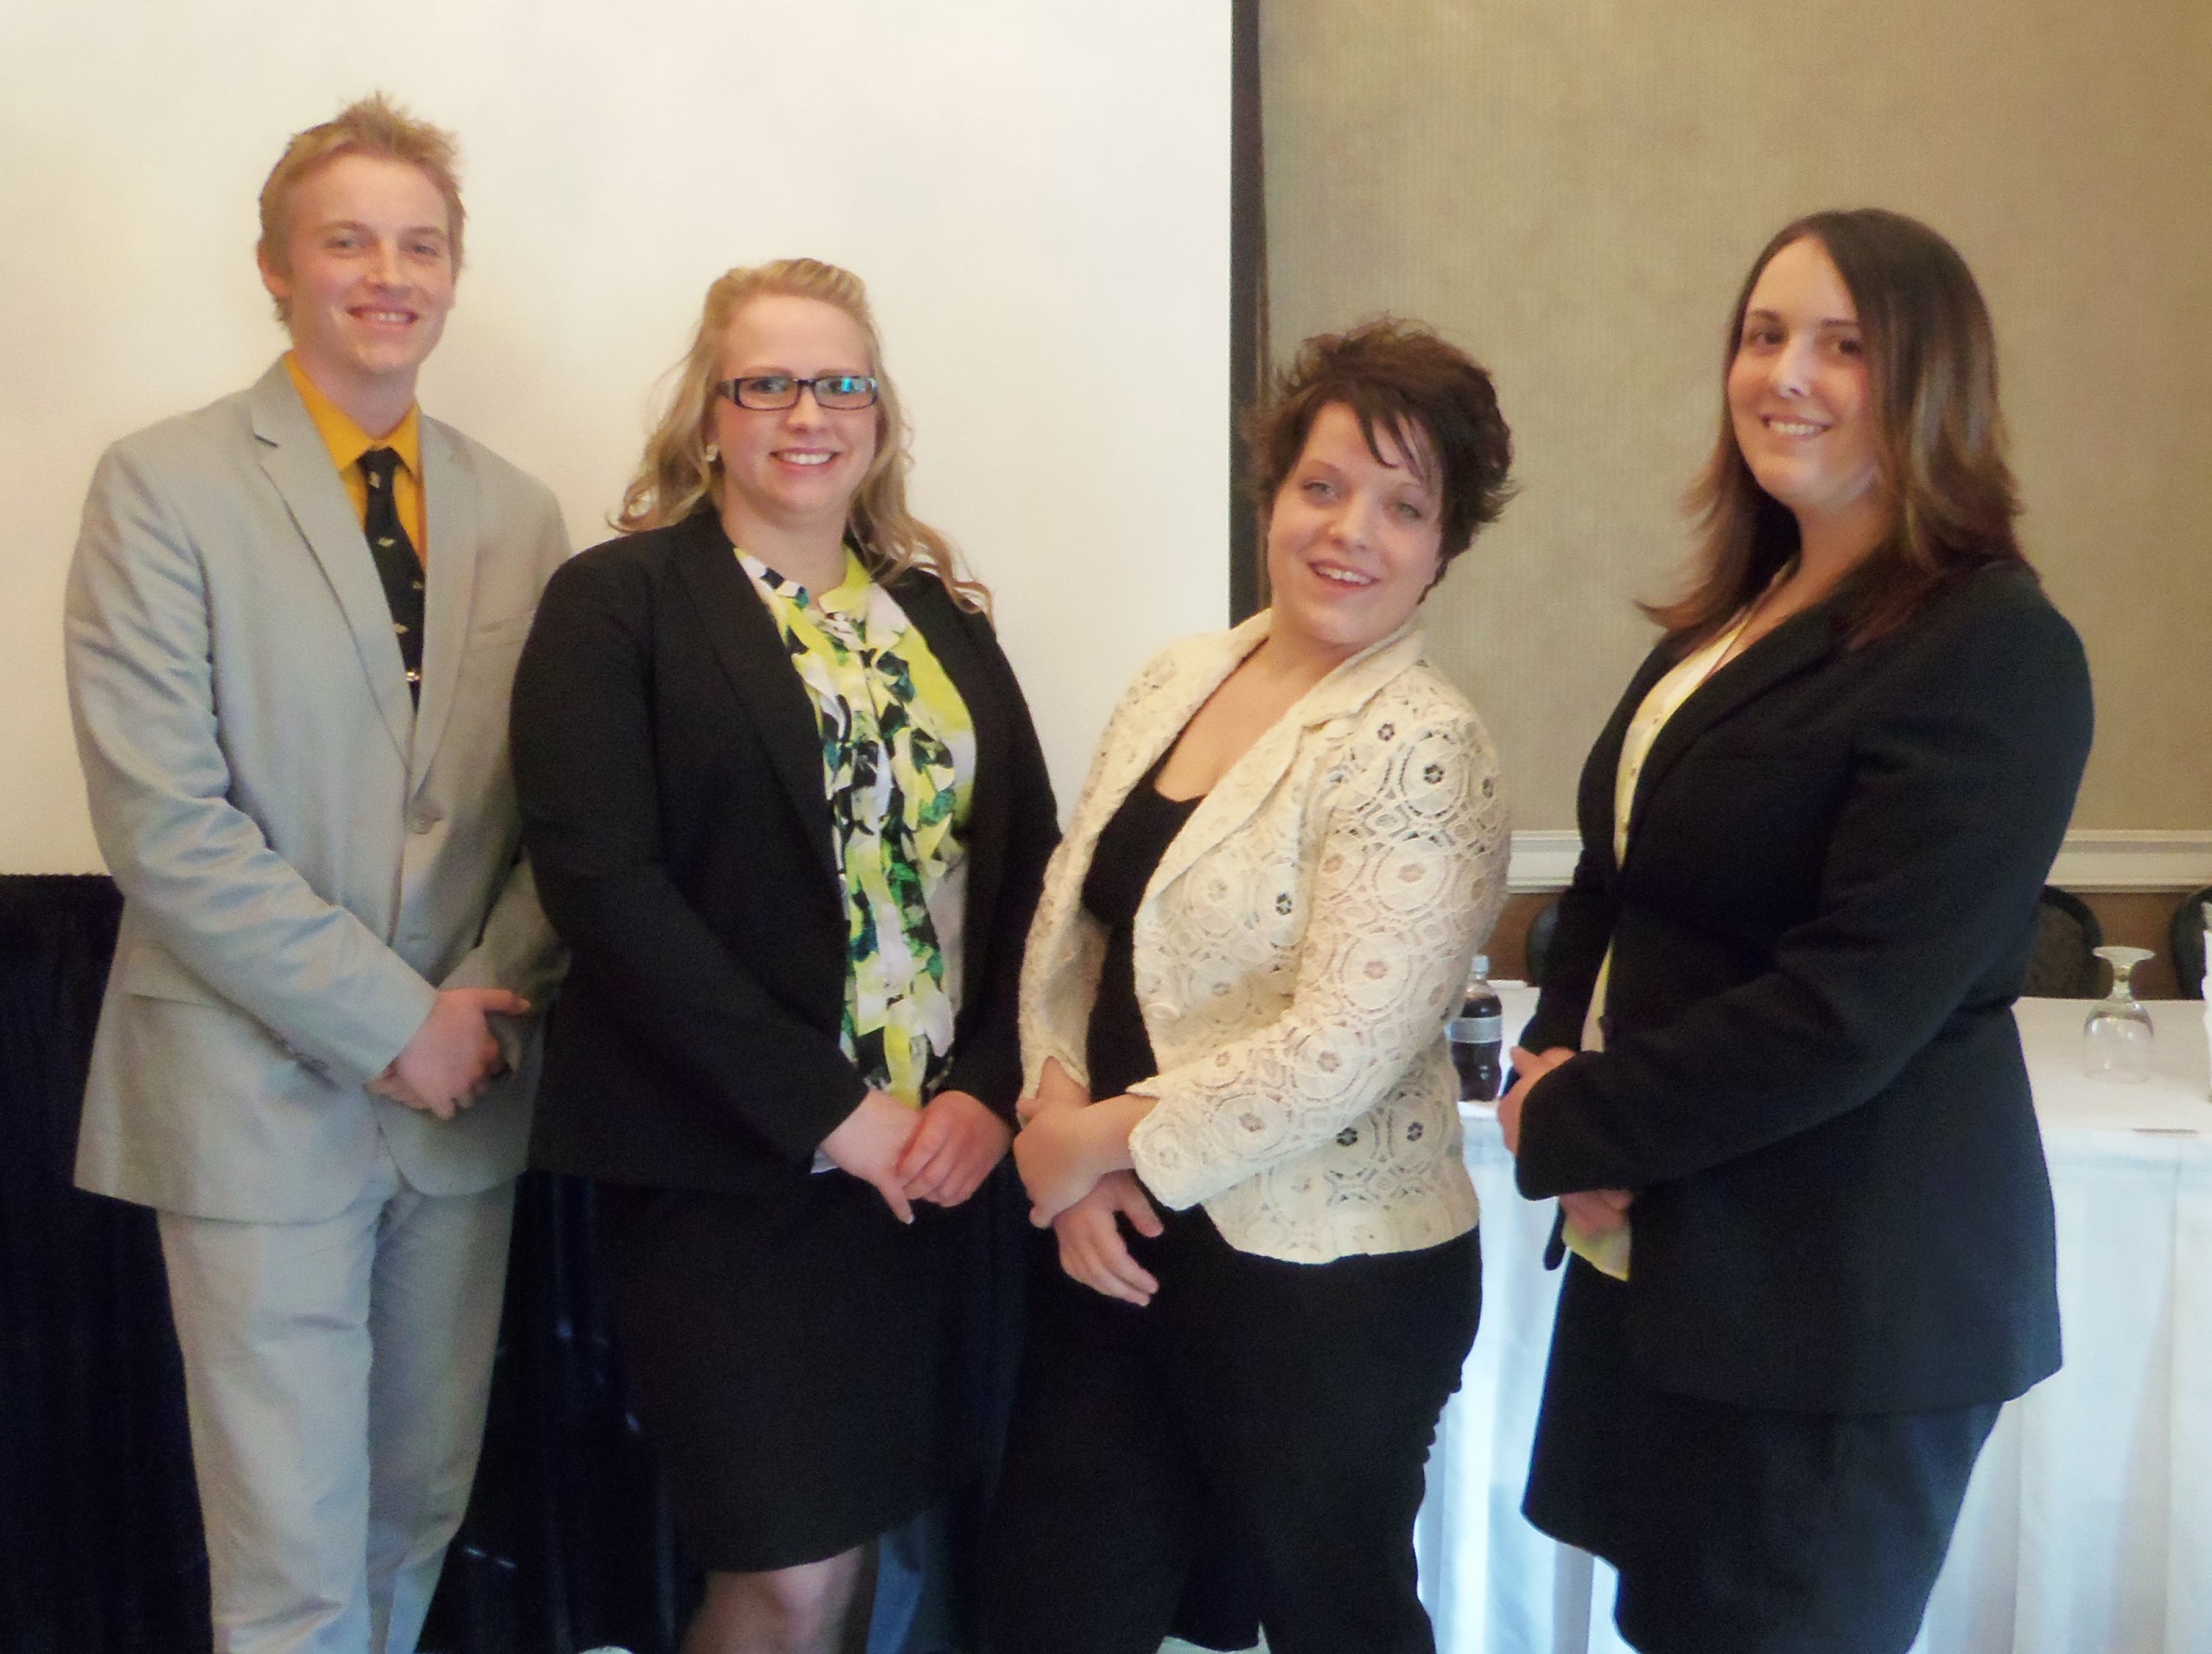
1778 1084
1233 1005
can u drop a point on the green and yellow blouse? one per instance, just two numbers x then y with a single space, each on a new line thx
898 766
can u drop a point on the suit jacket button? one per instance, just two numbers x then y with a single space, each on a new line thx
422 819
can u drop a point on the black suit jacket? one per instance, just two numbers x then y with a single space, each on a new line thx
669 769
1811 1077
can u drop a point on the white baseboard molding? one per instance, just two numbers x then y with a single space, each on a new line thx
1543 860
2090 862
2087 863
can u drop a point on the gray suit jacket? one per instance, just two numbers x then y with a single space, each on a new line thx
305 858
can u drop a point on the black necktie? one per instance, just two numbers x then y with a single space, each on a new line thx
399 567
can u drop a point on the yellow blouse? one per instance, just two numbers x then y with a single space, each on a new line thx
1609 1252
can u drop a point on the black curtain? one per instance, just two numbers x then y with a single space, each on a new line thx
100 1529
567 1544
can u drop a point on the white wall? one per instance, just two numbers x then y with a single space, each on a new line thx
1038 195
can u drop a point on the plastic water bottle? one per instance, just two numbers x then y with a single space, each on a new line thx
1477 1038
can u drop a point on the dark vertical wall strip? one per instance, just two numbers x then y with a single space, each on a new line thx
1248 302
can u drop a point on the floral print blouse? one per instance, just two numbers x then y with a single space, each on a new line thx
898 766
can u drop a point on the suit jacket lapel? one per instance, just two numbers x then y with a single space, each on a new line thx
751 651
1799 643
1252 777
1169 709
1151 727
298 463
449 519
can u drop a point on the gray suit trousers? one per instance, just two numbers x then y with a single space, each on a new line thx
336 1374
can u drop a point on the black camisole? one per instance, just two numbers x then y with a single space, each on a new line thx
1117 1049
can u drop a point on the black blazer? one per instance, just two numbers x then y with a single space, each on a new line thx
669 769
1811 1076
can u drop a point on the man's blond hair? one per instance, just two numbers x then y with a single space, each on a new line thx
374 126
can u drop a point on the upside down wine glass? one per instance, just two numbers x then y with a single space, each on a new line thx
2116 1037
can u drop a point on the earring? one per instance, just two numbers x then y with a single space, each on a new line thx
714 451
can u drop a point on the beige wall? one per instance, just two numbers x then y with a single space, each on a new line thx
1573 188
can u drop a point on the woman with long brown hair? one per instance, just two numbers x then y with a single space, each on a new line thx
784 802
1776 1080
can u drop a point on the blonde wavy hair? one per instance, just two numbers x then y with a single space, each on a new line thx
677 476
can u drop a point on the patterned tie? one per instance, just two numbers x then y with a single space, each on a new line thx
398 565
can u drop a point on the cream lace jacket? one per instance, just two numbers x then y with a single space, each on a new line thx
1297 952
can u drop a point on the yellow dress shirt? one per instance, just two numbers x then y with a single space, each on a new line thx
347 441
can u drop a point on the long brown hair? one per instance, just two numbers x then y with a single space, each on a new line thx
677 476
1931 358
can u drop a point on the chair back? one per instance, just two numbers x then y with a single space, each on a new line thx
1537 951
2186 941
2064 965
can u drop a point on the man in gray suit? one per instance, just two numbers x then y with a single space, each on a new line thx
291 623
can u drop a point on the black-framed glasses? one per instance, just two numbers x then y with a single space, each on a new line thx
766 392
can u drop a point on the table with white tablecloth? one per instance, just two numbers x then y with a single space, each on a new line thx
2088 1527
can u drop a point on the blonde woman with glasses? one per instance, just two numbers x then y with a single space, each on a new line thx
785 804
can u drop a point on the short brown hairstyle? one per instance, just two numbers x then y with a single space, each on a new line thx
1433 398
1931 357
373 126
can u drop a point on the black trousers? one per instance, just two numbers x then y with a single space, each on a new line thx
1249 1446
1741 1529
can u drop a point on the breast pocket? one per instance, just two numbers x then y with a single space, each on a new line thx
507 633
487 669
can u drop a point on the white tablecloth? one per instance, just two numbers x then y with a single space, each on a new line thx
2088 1527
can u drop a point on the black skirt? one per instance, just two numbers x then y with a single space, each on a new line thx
1741 1529
808 1376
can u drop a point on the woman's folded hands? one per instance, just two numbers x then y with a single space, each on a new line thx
941 1153
1593 1211
1073 1156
